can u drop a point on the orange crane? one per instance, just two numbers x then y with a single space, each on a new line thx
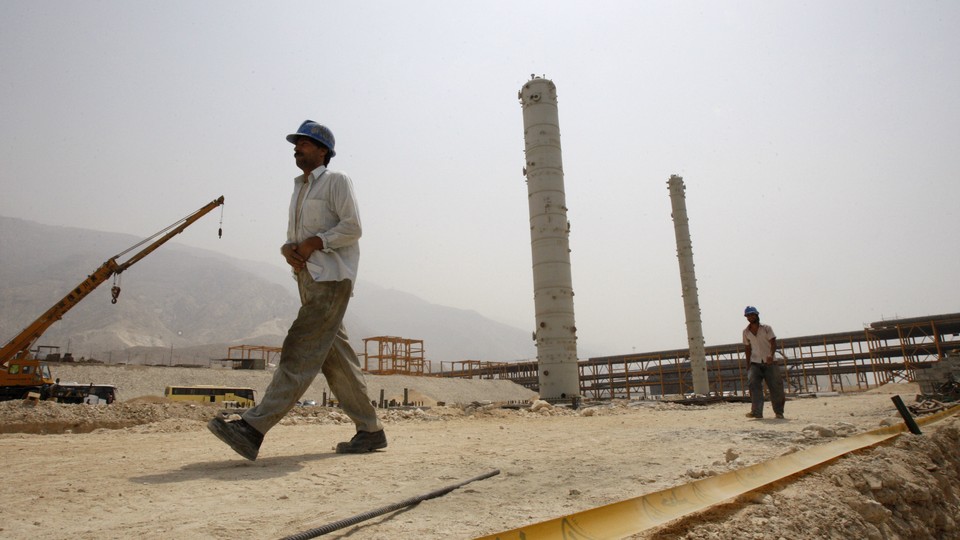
20 372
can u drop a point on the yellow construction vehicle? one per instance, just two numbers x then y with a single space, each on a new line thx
22 373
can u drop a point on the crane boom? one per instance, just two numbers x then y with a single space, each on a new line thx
19 346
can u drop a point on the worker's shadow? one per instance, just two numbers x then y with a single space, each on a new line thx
230 470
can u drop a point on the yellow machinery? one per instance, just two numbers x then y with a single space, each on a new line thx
20 372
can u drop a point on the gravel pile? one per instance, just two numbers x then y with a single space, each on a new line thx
141 402
139 381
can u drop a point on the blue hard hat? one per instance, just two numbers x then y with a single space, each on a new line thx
749 310
315 131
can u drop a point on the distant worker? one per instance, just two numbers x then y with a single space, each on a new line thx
323 251
91 398
761 346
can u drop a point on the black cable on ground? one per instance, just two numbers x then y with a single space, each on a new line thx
330 527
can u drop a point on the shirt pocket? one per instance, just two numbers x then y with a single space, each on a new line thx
317 216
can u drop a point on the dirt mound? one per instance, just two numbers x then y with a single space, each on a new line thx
141 381
47 417
149 399
907 489
903 389
147 384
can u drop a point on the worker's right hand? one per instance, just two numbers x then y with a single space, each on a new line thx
294 259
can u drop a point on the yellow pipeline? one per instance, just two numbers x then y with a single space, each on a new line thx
624 518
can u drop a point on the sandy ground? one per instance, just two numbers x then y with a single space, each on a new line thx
149 469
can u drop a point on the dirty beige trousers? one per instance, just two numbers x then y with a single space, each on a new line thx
317 341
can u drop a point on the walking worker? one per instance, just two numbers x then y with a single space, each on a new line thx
761 345
323 252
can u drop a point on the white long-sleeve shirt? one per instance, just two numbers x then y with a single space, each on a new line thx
328 209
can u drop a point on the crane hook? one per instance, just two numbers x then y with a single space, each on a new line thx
114 292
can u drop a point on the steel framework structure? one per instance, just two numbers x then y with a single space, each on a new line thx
394 355
884 351
251 356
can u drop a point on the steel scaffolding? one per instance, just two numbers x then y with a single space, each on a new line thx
394 355
251 356
884 351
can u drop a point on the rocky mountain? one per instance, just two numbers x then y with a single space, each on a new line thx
186 305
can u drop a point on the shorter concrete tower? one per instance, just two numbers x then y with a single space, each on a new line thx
688 283
555 333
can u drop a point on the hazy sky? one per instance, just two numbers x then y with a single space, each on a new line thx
819 142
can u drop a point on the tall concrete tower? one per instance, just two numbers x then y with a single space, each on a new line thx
555 334
688 282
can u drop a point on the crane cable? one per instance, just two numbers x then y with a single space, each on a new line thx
115 290
164 231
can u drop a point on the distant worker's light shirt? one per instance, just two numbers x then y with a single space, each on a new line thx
760 343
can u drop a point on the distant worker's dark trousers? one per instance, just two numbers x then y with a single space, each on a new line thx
755 378
317 341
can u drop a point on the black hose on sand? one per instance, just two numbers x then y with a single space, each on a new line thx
330 527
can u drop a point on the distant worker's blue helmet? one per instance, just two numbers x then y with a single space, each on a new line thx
317 132
749 310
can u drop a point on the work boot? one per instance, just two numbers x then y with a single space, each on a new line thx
780 415
238 434
363 442
751 415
